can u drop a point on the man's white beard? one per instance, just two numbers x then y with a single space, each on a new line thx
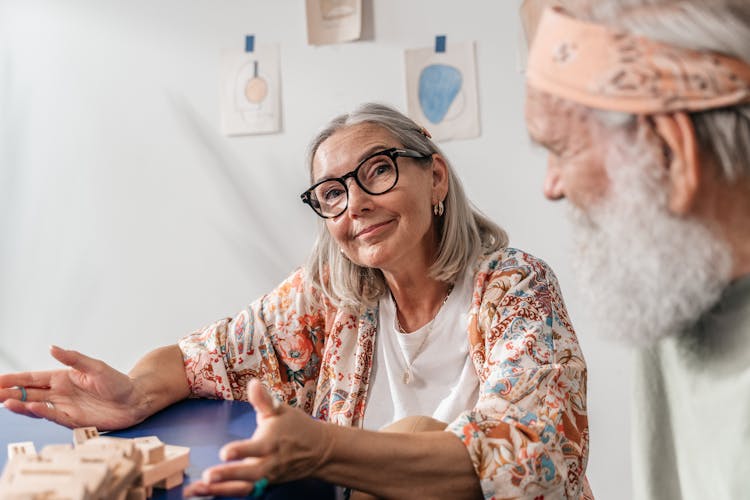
645 274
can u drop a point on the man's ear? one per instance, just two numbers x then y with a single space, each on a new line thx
439 178
684 168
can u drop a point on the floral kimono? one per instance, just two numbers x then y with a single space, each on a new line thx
528 433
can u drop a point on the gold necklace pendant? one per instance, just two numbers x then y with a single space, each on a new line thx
408 376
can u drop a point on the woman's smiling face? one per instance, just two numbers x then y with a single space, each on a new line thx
386 231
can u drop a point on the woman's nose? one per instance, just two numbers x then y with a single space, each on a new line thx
553 182
359 200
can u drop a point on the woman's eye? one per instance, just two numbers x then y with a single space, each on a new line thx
379 169
332 194
383 168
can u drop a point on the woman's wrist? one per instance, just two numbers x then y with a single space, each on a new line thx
328 441
140 402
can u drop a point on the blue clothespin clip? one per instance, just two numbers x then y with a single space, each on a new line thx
249 43
440 43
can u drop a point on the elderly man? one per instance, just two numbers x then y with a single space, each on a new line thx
644 107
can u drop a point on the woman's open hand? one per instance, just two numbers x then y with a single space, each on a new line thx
87 393
287 445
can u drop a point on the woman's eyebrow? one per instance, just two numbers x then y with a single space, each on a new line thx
368 152
372 150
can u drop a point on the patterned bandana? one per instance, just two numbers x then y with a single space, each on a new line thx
610 69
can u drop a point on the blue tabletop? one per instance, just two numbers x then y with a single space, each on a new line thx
204 425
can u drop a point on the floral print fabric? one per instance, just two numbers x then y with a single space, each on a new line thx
527 435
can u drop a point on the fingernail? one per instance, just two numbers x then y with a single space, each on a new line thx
195 490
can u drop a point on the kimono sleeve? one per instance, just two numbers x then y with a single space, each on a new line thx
528 434
277 339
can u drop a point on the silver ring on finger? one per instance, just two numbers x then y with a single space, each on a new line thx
49 405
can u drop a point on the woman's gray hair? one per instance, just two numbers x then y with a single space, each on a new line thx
464 232
715 25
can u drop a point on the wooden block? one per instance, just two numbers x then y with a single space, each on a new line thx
83 434
175 479
121 471
97 468
39 476
125 447
53 449
176 459
40 492
24 448
124 474
152 449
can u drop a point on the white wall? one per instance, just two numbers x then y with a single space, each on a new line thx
126 219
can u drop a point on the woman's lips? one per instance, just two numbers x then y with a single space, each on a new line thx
372 229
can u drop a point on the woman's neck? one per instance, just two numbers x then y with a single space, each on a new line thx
418 298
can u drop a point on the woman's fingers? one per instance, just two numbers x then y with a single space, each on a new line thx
230 479
11 393
245 449
40 410
73 359
48 411
258 396
227 489
26 379
43 379
18 407
31 394
249 469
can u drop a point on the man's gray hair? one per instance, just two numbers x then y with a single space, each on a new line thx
464 232
715 25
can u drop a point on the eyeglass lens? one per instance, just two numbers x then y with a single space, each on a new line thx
375 175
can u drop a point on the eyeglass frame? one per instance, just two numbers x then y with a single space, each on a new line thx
392 153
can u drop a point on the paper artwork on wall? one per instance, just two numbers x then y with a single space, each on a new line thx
333 21
250 91
441 86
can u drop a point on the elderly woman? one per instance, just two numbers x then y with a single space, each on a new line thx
411 305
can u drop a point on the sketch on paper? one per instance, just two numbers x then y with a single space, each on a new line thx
439 84
333 21
442 91
250 100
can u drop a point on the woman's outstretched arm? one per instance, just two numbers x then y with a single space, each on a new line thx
89 392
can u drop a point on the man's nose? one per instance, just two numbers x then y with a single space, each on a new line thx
553 182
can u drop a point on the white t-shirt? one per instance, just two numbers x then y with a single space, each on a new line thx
443 381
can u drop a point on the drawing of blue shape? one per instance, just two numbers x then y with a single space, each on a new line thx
438 87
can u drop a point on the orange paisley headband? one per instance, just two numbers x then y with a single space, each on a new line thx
610 69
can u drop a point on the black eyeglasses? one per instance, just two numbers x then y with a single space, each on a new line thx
376 174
